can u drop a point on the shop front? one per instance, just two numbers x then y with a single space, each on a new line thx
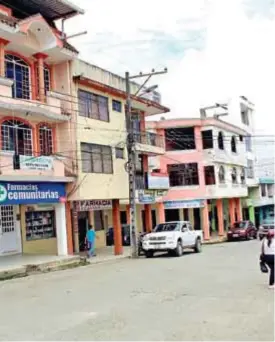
32 218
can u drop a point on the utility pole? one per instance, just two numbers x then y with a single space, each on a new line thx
132 153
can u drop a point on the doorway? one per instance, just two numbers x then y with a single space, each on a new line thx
9 242
197 218
83 220
172 215
154 219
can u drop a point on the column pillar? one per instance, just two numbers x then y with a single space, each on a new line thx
231 211
205 219
251 213
213 217
69 229
191 217
128 219
161 212
181 214
41 82
219 204
261 215
3 43
238 204
61 229
75 229
118 249
148 217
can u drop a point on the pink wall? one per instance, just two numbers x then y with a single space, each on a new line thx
180 157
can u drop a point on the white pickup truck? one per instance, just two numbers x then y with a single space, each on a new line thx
172 237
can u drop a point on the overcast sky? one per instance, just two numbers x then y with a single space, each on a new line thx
213 48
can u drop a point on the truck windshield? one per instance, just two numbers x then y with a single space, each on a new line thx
166 227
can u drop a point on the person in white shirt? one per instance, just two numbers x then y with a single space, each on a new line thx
267 256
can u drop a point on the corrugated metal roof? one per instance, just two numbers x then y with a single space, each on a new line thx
49 9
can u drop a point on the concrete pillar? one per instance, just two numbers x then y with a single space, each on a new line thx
213 218
251 213
191 217
69 229
161 212
128 217
61 229
181 214
3 43
41 81
220 217
118 249
232 211
148 217
239 210
205 219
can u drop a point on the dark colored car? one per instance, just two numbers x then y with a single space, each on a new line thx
126 239
242 230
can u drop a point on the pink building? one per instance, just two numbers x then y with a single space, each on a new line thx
36 132
205 162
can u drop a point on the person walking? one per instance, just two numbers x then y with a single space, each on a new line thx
267 256
90 240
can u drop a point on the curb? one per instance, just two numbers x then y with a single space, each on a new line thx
214 242
31 269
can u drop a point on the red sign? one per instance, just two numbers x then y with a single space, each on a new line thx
92 205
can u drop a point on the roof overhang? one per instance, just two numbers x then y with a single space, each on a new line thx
149 107
50 9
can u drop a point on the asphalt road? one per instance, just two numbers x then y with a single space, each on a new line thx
219 294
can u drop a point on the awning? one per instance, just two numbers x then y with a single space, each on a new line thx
49 9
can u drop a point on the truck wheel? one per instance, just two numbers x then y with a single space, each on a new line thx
149 254
179 249
197 248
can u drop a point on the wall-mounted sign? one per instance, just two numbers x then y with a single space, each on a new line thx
146 198
31 193
36 163
184 204
158 182
92 205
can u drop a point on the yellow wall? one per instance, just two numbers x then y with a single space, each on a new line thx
47 246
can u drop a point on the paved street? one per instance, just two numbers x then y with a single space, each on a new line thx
217 295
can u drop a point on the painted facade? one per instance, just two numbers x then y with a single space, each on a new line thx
35 118
206 164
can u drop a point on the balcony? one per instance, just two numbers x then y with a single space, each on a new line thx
227 190
56 108
28 167
224 156
149 143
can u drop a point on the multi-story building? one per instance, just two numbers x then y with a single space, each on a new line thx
205 160
100 195
35 118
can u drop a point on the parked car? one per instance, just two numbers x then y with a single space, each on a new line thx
172 237
126 239
242 230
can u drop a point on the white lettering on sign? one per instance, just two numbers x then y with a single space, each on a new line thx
93 205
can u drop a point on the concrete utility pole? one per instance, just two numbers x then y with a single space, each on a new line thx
132 153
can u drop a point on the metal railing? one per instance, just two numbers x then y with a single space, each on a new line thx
149 138
140 182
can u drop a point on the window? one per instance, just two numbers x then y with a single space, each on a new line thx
177 139
40 225
220 141
96 158
7 218
183 174
243 176
250 169
17 137
117 106
248 143
209 175
45 140
233 144
234 175
245 117
241 138
207 139
221 175
19 71
119 153
93 106
263 190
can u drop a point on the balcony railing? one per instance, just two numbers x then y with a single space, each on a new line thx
140 182
149 138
